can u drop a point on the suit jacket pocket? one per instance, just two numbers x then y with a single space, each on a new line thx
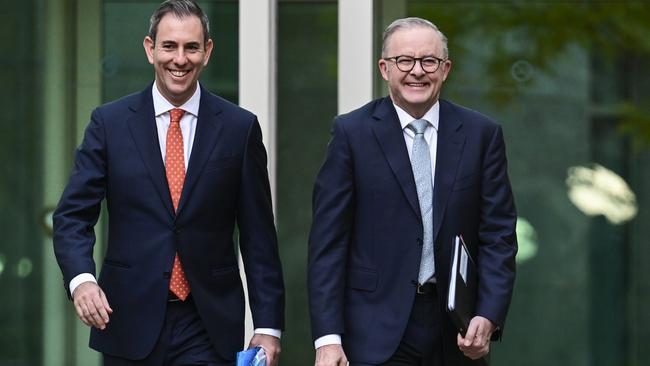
220 163
219 272
362 279
115 263
466 182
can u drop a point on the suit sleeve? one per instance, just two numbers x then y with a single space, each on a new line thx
78 210
333 213
257 237
497 238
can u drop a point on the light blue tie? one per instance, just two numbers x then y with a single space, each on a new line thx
421 163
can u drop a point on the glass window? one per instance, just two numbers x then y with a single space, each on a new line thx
307 73
20 187
125 66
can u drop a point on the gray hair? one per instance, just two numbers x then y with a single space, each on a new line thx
408 23
180 9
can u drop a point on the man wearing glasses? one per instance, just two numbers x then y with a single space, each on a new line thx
402 177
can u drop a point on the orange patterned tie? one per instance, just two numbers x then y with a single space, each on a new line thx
175 169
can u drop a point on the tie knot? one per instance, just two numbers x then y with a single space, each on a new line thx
175 115
418 126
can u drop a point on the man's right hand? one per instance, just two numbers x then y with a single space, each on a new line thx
330 355
91 305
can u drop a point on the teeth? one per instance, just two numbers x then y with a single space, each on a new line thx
178 73
416 84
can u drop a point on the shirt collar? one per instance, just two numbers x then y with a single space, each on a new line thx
162 105
432 116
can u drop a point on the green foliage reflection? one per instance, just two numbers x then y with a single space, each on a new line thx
614 34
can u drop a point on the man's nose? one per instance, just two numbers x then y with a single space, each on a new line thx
417 68
180 58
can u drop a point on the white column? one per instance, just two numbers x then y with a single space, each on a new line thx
257 85
257 69
355 60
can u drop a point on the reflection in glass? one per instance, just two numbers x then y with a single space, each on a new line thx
526 239
599 191
24 267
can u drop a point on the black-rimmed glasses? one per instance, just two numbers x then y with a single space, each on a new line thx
429 64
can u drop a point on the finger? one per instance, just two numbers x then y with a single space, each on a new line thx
471 333
271 354
101 310
270 360
460 341
95 318
93 312
479 339
85 312
102 296
80 313
476 353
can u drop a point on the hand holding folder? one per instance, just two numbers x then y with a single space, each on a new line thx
463 287
251 357
461 300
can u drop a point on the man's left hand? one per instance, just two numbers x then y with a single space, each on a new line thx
476 342
271 346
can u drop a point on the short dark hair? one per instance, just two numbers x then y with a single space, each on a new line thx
180 9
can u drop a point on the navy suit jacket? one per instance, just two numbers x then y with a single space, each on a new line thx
365 241
226 183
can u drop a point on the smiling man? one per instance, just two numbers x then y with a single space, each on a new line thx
179 167
402 177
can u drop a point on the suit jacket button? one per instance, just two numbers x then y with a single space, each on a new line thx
167 275
177 231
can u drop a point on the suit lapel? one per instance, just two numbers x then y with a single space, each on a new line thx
207 130
142 125
388 132
451 141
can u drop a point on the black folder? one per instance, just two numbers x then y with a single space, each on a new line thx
461 299
463 287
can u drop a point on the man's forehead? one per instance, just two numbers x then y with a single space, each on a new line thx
170 24
414 37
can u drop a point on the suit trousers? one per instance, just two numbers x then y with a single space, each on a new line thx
421 344
183 341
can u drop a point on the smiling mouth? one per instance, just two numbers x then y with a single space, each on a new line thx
416 85
179 73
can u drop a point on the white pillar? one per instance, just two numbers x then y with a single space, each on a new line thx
355 59
257 86
257 69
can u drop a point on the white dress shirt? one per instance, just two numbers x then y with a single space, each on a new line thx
161 107
431 136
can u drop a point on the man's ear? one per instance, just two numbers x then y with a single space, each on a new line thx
383 69
209 45
446 68
148 45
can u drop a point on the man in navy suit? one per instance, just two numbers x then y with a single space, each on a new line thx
178 167
402 177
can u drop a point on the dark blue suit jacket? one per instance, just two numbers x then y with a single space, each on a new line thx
365 241
226 183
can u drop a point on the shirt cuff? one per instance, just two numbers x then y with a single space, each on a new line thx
277 333
327 340
79 279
